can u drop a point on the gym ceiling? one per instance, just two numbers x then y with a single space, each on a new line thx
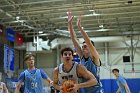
48 18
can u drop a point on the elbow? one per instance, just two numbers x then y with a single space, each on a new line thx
94 82
18 87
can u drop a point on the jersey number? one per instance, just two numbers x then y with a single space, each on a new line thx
33 85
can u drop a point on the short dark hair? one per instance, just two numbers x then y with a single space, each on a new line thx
27 56
66 49
115 70
91 42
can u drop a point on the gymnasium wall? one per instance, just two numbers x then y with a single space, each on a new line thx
109 82
112 57
46 60
110 86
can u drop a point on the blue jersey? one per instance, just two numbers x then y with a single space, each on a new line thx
89 64
121 81
33 80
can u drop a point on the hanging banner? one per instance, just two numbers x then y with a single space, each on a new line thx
11 59
1 56
19 39
6 49
1 29
10 34
8 58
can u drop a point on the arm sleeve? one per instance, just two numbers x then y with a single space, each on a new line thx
21 77
43 74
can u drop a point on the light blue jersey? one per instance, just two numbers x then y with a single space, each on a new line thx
32 77
33 82
89 64
121 81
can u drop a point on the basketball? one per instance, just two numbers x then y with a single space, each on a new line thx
66 85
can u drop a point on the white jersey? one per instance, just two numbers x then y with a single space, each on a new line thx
71 75
1 87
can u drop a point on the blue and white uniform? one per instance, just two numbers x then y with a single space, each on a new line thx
121 81
33 80
95 70
71 75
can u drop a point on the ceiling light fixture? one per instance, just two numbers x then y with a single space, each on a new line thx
101 26
40 32
92 14
17 18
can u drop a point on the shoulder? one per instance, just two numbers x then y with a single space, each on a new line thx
43 74
121 78
80 67
82 71
22 74
60 65
41 70
56 69
55 72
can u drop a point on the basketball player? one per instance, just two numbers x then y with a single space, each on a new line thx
70 70
3 88
89 56
123 87
32 77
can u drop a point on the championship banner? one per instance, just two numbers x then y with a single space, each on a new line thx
8 58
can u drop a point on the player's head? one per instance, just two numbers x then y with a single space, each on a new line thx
85 47
115 72
91 42
67 54
29 59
